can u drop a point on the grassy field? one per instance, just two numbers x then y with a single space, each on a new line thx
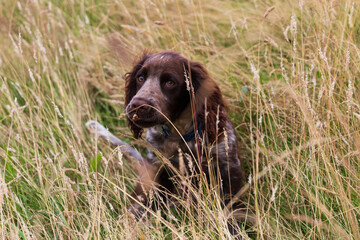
289 71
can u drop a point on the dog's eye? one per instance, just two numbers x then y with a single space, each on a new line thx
141 79
170 83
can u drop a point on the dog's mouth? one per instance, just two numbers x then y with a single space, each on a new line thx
145 120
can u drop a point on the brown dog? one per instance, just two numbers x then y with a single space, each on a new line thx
185 113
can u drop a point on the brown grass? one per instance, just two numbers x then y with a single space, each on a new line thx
289 70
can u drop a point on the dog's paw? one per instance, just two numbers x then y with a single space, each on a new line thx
136 211
94 126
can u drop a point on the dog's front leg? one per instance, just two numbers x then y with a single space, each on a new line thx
147 169
140 197
100 131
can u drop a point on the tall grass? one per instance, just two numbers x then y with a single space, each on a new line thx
289 70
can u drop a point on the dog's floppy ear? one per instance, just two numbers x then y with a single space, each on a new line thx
130 91
198 74
208 99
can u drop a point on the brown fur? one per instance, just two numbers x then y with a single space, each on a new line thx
130 91
150 96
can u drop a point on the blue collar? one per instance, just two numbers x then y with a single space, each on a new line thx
187 137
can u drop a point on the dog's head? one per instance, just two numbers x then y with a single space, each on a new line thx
157 90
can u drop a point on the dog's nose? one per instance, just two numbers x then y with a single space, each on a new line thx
140 105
